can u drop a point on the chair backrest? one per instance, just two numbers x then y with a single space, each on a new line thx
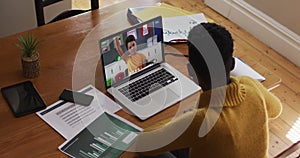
39 10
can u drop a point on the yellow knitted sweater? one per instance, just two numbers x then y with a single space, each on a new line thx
240 131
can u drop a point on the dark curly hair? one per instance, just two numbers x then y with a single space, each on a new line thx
199 46
129 38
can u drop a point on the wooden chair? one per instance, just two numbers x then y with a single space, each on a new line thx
39 10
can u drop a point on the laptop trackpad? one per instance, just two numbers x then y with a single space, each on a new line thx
159 99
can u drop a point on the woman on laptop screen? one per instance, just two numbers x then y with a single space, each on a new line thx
135 61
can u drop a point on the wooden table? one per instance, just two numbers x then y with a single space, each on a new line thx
70 59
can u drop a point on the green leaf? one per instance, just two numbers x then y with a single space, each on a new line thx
28 44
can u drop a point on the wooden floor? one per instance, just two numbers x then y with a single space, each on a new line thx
288 91
85 4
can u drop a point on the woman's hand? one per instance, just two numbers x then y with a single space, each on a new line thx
117 42
119 49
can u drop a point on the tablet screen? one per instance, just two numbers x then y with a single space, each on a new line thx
23 98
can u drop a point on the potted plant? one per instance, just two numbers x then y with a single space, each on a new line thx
30 56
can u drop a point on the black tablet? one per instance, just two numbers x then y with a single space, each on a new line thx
23 98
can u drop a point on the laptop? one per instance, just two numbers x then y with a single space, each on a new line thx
142 82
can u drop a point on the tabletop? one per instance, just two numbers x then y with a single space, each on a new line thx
69 57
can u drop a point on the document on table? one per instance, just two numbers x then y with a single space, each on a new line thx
243 69
178 27
68 118
106 137
177 22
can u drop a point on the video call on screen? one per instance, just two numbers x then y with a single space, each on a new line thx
148 38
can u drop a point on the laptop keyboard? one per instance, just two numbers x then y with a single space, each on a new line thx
148 84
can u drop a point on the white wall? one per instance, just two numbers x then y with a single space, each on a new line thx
19 15
285 12
265 28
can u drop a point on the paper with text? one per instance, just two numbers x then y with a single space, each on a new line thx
178 28
68 118
107 137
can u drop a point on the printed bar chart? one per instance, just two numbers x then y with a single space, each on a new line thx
106 137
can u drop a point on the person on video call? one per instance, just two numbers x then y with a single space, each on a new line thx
135 61
241 129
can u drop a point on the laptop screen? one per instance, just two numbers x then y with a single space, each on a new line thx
132 50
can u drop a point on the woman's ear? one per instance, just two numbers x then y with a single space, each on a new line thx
232 63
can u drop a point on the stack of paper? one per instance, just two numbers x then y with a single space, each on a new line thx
176 22
93 130
160 9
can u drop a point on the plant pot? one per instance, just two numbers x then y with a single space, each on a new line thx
31 66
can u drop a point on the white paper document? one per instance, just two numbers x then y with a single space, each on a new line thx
68 118
178 27
243 69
